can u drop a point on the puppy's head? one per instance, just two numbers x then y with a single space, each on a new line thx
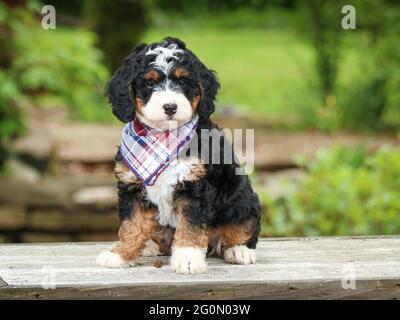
164 85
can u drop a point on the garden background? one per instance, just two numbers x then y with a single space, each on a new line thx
324 102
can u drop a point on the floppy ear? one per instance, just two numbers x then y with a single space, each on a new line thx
118 90
209 87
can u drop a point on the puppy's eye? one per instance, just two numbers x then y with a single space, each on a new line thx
150 83
181 82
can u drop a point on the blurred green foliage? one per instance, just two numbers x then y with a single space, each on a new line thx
46 68
192 7
372 99
10 117
61 65
325 31
119 26
10 95
65 66
344 192
371 94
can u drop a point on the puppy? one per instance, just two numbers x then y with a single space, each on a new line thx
191 206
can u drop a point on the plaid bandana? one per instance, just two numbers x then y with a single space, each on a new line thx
148 152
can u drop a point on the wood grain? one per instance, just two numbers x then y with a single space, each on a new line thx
290 268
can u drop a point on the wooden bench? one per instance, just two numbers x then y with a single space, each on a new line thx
290 268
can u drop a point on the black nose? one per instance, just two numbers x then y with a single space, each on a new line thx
170 108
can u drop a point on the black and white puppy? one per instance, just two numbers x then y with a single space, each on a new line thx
194 207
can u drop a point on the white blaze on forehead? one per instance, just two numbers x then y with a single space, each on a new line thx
163 55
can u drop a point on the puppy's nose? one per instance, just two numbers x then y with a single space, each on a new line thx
170 108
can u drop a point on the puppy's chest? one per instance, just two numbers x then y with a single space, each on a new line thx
161 193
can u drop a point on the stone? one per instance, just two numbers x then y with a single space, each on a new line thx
37 142
73 221
88 143
45 193
101 196
21 172
12 217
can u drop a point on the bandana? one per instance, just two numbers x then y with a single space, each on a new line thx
148 152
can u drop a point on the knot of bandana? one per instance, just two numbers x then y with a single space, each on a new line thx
148 152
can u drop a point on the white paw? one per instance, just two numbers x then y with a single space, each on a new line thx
240 255
151 249
188 260
111 260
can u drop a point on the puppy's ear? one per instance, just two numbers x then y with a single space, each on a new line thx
118 90
209 87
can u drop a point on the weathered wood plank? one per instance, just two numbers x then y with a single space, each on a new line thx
286 268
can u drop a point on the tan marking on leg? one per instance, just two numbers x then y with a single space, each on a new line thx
236 234
231 235
190 245
134 232
187 235
124 174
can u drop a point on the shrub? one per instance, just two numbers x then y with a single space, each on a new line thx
66 65
10 118
39 64
371 100
345 192
61 64
119 26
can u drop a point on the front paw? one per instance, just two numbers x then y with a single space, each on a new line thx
188 260
111 259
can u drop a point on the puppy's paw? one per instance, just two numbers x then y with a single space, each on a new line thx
111 260
240 255
151 249
188 260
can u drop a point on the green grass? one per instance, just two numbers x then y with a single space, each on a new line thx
261 72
